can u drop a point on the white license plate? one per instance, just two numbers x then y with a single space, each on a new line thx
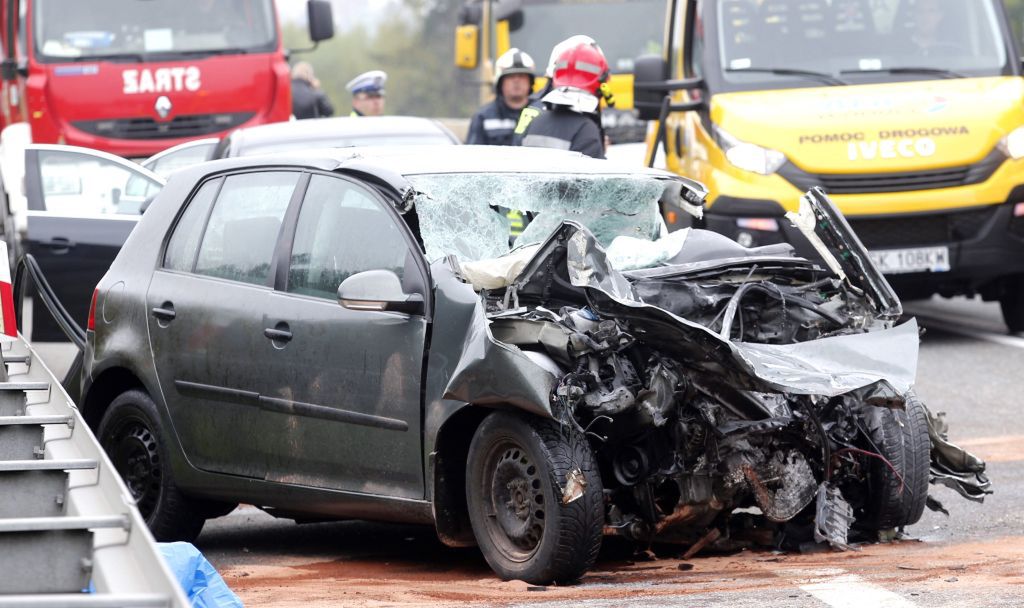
919 259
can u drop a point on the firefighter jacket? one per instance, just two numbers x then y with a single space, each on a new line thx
561 128
493 124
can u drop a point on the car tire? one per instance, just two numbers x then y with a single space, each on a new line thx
1012 304
132 436
517 468
901 437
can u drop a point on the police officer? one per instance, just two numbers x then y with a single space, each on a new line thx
571 118
308 101
494 123
367 91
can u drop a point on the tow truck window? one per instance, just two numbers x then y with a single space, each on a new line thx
129 29
857 40
242 232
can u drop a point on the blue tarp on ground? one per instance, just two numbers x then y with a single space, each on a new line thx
203 585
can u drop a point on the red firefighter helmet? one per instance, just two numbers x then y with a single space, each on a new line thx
582 66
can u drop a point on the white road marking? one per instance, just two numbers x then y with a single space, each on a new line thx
841 589
956 326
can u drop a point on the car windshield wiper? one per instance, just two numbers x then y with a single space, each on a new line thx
828 79
941 73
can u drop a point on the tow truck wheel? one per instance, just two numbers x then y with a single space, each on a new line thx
516 475
897 494
1012 303
131 434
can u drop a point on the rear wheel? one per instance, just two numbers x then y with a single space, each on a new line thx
901 437
1012 303
131 434
517 470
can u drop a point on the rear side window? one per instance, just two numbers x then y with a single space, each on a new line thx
242 232
342 230
181 250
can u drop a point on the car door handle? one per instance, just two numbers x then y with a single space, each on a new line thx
58 244
278 335
166 312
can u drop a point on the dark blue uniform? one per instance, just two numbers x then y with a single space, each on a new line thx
561 128
493 124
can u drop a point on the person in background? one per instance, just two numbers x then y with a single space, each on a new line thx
571 119
494 123
929 29
308 101
367 91
535 106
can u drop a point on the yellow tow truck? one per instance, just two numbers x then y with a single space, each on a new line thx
909 113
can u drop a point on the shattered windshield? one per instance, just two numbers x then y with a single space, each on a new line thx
472 215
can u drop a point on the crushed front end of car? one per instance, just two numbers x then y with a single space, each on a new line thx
729 395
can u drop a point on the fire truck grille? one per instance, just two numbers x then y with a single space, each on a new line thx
147 128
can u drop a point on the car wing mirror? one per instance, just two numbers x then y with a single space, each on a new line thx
378 290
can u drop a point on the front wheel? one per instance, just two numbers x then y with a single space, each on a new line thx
1012 304
517 471
901 437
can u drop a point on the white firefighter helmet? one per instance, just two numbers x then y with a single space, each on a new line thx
513 61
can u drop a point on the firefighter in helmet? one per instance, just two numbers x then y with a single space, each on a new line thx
494 123
571 119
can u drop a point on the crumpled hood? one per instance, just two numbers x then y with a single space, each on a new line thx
572 265
879 127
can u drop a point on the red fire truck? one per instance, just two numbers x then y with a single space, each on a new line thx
133 77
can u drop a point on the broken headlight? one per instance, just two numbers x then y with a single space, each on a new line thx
747 156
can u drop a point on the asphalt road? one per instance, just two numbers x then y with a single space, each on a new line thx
969 368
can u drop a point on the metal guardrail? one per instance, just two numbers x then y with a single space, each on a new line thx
70 534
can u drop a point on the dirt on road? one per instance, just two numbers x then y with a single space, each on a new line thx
910 566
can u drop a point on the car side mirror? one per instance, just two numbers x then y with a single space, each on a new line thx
321 20
378 290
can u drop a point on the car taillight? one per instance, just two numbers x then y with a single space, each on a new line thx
91 326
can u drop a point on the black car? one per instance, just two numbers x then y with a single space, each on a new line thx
355 334
81 206
82 203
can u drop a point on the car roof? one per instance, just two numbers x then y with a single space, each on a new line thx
420 160
392 165
353 127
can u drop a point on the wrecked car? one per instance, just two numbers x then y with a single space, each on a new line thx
358 334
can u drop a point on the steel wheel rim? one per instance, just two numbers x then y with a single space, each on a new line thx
132 448
514 501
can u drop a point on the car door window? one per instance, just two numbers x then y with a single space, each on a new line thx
181 250
185 156
242 232
74 183
342 230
